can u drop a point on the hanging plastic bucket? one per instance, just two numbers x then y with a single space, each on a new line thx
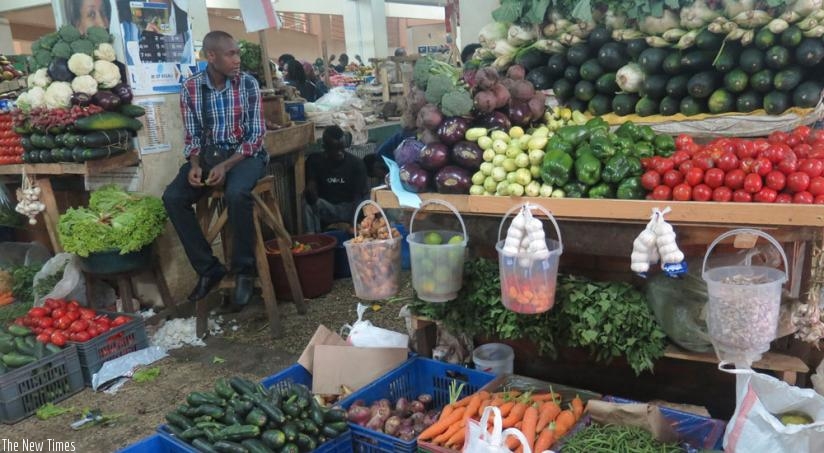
375 264
742 313
495 358
528 284
437 258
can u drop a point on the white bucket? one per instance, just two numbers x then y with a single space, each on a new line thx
495 358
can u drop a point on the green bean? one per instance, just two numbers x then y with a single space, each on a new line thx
615 439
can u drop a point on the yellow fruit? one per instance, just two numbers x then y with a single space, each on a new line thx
795 418
455 239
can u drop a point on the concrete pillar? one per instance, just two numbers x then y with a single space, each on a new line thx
364 24
199 16
6 43
474 15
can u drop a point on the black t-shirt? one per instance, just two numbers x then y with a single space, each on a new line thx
337 182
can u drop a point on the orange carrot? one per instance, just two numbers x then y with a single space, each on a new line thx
549 410
456 440
541 397
483 394
564 422
443 423
529 424
441 439
512 443
516 415
506 408
577 407
446 411
545 439
472 407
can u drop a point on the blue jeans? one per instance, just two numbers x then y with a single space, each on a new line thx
237 194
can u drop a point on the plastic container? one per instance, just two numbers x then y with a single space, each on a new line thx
375 264
495 358
696 431
341 261
415 376
112 262
528 284
153 444
117 342
744 301
48 380
315 267
296 111
437 258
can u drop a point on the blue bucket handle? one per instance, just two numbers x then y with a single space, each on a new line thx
746 231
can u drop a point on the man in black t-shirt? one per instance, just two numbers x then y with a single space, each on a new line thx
335 183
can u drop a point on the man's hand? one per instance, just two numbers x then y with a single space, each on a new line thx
217 175
195 176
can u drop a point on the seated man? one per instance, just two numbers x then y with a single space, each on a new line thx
335 183
222 114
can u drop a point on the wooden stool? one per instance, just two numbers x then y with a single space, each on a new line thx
213 219
125 290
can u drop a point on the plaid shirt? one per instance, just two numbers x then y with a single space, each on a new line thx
235 115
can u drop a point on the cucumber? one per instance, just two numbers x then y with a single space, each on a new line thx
198 398
810 52
787 79
256 417
223 389
578 54
721 101
736 81
290 448
25 142
71 140
727 58
107 121
762 81
697 60
791 37
179 420
584 90
305 443
227 446
39 350
23 347
338 426
203 446
238 432
707 40
274 439
764 39
600 104
255 446
192 433
572 73
19 331
691 106
211 410
105 138
334 415
701 85
777 57
556 64
174 431
242 386
242 406
748 101
53 348
290 430
598 37
271 411
132 110
652 60
6 345
654 86
751 60
672 64
17 360
624 103
807 94
776 102
606 84
329 432
187 411
611 56
591 70
230 416
563 88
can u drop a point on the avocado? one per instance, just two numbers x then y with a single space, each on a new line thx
584 90
540 78
691 106
810 52
606 84
563 89
577 105
655 86
600 104
697 60
578 54
598 37
791 37
612 56
646 106
764 39
672 64
749 101
556 64
776 102
677 86
572 73
531 58
707 40
788 79
727 58
624 103
636 46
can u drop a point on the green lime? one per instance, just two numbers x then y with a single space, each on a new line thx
432 238
458 239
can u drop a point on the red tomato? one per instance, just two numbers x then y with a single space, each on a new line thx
722 194
120 320
788 165
798 182
745 149
48 330
93 330
679 157
735 179
87 313
714 177
816 186
82 336
46 322
73 305
52 303
784 197
682 192
662 164
58 313
58 338
793 140
741 196
802 131
662 192
672 178
817 151
104 327
812 167
752 183
704 161
686 165
775 180
778 137
694 177
702 192
727 162
650 179
816 135
43 337
803 197
37 312
79 325
802 150
765 195
64 322
73 314
762 166
683 141
819 199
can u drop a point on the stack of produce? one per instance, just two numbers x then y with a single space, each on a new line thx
656 57
404 420
78 106
7 70
374 256
19 347
240 415
114 220
59 321
782 168
11 149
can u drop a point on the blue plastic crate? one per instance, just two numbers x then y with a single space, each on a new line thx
696 431
415 376
153 444
340 444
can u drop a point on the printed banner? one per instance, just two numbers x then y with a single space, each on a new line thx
259 15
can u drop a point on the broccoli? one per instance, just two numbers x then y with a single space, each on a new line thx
83 46
35 46
456 103
69 33
43 58
61 50
47 41
98 35
438 85
421 74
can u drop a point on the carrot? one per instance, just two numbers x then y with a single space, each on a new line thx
512 443
545 439
446 411
472 407
508 394
549 410
453 428
516 415
529 424
506 408
456 440
564 422
577 407
443 424
541 397
483 394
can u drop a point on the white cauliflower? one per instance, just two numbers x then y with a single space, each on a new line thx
105 51
84 84
36 97
22 102
58 94
106 74
40 78
81 64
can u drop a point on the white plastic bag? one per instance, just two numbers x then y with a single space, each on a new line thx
754 428
364 335
71 287
481 440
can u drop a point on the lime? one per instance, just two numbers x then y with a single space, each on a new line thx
457 239
432 238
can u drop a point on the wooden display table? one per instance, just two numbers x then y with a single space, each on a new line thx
44 172
293 140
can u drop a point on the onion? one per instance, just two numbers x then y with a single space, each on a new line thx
417 408
402 406
375 423
391 425
406 433
359 415
426 399
630 78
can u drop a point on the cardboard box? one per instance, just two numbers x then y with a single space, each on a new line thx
333 363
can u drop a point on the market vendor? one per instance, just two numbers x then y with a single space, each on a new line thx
296 76
222 116
335 183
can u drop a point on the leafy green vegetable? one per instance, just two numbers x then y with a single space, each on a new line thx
23 277
146 374
611 438
50 410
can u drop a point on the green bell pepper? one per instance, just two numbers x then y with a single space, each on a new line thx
601 148
556 167
597 124
573 134
557 143
645 134
664 145
574 189
616 169
627 130
623 144
583 148
634 166
602 190
631 189
643 149
588 168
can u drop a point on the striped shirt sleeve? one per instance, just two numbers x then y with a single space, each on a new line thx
254 127
189 106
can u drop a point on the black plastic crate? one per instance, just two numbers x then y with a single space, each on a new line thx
117 342
48 380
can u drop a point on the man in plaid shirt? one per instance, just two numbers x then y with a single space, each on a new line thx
221 107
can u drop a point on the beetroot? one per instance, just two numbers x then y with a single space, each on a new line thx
502 95
429 117
359 415
486 78
522 90
516 72
537 105
485 101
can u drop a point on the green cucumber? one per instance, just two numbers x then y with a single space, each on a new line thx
53 348
242 386
179 420
198 398
242 406
335 415
23 347
132 110
192 433
272 411
255 446
223 389
211 410
305 443
203 446
274 439
238 432
107 121
256 417
227 446
16 360
290 448
19 331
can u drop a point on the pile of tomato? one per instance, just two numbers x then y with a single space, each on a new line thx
785 167
11 149
59 321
